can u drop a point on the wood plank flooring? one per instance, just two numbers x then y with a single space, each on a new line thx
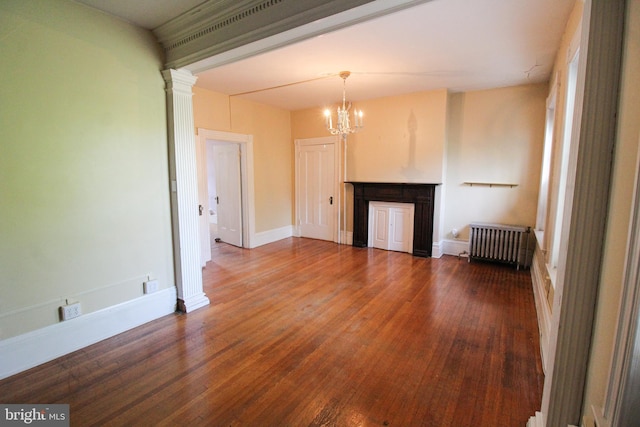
309 333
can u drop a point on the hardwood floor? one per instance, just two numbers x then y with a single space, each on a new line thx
310 333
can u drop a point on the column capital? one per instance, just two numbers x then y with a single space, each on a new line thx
179 80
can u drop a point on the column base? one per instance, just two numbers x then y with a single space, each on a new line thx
192 303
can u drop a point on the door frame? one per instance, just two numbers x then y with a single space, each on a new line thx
325 140
246 176
624 372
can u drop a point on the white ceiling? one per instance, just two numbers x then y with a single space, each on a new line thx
459 45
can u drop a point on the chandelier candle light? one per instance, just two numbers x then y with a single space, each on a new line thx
343 124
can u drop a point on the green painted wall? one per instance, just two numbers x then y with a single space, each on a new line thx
84 198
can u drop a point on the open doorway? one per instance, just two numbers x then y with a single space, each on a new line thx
225 189
224 192
212 193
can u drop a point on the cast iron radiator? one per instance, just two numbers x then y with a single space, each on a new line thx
501 243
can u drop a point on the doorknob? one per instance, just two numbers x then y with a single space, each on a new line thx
200 209
330 200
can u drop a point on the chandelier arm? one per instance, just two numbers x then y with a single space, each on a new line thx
343 125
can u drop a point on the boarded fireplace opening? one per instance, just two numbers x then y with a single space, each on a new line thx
391 226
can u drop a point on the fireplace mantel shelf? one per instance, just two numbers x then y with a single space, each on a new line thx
421 195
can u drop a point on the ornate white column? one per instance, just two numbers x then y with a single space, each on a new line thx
184 190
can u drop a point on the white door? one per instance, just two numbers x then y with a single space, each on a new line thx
380 226
229 201
316 183
400 222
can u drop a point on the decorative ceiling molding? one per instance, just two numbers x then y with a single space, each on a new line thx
218 26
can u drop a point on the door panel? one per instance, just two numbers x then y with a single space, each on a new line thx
399 224
316 183
380 228
229 203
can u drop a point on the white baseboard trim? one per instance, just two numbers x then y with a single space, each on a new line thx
436 250
28 350
536 421
271 236
266 237
454 247
543 311
349 238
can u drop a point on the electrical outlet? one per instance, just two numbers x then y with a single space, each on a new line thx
151 286
70 311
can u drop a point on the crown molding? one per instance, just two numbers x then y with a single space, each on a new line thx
218 26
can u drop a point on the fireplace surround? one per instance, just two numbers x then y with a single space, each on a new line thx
421 195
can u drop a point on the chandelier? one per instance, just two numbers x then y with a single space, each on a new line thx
343 124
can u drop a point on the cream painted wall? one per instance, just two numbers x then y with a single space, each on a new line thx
622 192
84 199
494 136
403 139
310 123
211 110
272 150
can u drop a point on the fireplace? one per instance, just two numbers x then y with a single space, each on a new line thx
421 195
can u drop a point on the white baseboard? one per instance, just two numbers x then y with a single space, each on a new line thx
274 235
543 311
454 247
536 421
436 250
271 236
28 350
